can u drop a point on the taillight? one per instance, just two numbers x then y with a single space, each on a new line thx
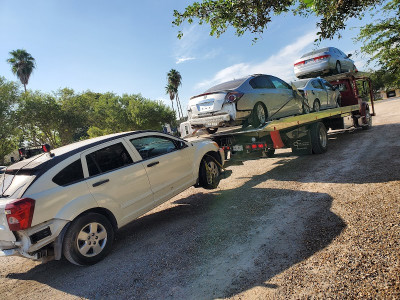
322 57
233 97
19 214
299 63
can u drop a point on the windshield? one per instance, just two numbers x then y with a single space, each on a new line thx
230 85
300 83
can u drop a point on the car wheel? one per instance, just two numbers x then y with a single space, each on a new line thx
338 68
339 101
306 107
212 130
259 115
316 105
319 138
209 173
88 239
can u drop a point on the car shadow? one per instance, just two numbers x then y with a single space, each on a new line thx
203 246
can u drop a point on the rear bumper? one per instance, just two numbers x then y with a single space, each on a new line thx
318 67
211 121
9 252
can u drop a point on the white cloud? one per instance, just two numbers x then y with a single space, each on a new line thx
183 59
279 64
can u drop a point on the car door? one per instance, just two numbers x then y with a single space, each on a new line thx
168 163
320 93
289 104
332 94
116 179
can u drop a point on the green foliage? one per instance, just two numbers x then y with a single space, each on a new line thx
381 41
254 16
9 94
22 65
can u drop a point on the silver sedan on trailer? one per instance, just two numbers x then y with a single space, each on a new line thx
250 100
319 93
323 61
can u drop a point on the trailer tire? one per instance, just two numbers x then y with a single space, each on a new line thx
319 138
209 180
211 130
259 115
270 152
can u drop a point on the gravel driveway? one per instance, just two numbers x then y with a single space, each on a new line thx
288 227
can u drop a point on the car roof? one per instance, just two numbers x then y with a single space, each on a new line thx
42 162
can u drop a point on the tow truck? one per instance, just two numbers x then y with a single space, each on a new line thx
307 133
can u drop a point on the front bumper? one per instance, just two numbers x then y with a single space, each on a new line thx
211 121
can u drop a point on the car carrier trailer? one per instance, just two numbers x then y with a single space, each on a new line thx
304 134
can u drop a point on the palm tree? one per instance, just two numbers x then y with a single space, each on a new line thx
175 80
22 65
171 90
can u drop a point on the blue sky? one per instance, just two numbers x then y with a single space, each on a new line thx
129 46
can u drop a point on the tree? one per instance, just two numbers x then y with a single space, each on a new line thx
381 41
171 91
8 123
254 15
174 81
22 65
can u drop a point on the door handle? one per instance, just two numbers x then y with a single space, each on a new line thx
153 164
100 182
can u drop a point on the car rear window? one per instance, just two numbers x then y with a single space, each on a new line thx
261 82
70 174
230 85
14 183
315 52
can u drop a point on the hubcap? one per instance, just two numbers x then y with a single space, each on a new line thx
316 106
91 239
212 172
261 113
322 137
338 68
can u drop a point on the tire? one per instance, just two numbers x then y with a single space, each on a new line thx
339 101
209 180
319 138
259 115
369 120
212 130
316 105
88 239
338 68
306 108
270 152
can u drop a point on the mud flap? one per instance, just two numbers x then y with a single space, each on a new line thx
300 141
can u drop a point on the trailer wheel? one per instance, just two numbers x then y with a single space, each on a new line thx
212 130
259 115
270 152
209 173
319 138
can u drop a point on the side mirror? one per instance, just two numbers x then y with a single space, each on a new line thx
349 55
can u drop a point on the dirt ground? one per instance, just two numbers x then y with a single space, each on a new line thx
318 226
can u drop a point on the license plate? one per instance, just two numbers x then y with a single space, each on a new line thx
237 148
205 106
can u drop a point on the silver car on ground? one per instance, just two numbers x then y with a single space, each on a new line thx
319 93
323 61
250 100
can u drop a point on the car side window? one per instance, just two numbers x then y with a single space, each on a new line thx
70 174
261 82
279 83
107 159
152 146
316 84
327 85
